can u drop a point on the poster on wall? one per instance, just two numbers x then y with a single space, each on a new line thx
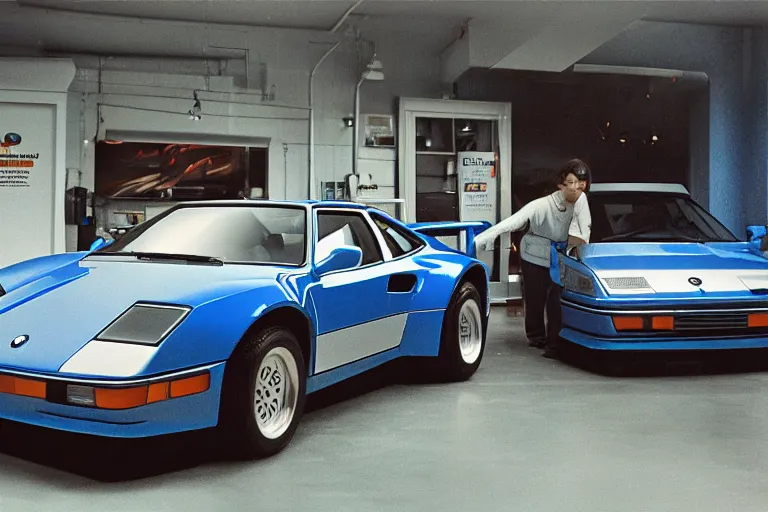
477 177
27 156
145 170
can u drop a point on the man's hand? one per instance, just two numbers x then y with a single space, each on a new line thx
484 245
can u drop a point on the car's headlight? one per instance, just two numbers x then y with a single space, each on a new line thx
145 324
575 281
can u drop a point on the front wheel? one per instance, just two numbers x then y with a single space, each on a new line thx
462 341
264 394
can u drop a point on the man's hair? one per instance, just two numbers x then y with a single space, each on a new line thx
576 167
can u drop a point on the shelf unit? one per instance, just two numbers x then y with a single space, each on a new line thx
438 142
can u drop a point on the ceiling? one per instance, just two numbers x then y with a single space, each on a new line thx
323 14
430 25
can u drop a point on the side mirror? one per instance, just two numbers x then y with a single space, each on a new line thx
341 258
97 244
755 233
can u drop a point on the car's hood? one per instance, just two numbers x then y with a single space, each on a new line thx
680 267
66 308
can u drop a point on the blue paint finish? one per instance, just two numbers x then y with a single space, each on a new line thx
755 233
587 310
661 344
331 377
470 229
360 298
63 301
22 273
171 416
421 336
660 256
594 324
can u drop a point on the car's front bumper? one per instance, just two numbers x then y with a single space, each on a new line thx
195 411
593 328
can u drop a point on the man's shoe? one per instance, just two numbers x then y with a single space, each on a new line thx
550 353
536 343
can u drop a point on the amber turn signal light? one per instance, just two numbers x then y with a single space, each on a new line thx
23 387
628 323
639 323
758 320
128 398
662 323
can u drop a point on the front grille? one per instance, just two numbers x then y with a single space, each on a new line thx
694 322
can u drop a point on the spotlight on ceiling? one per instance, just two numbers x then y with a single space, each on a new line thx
196 111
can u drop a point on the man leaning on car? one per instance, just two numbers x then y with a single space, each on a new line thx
548 219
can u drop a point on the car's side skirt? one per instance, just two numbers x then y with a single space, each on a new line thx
343 346
420 337
331 377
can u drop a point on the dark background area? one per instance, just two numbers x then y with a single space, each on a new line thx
608 121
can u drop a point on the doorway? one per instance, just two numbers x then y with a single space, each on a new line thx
444 144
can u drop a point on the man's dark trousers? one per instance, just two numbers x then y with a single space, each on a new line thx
540 293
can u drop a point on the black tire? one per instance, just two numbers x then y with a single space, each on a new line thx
241 435
451 366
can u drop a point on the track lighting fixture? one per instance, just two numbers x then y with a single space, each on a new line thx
195 113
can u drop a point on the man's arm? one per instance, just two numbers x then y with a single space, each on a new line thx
515 222
581 225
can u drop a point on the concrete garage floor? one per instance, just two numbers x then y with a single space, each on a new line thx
526 434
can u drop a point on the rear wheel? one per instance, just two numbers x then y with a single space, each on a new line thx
462 341
264 394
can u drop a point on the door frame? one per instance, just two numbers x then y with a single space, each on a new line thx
501 112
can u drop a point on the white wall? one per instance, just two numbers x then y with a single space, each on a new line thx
33 105
134 97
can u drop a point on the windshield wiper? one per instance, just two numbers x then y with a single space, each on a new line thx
192 258
629 234
665 237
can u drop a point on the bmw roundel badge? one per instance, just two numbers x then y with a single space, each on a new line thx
19 341
695 281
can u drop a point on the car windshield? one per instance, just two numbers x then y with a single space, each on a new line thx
232 234
652 217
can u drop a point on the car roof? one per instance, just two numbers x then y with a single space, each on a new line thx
275 202
669 188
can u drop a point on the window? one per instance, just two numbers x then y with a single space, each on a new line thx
399 241
336 229
657 217
240 234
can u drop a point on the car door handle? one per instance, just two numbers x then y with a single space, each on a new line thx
401 283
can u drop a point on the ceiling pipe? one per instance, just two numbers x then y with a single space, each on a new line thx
24 5
311 192
356 128
345 16
677 74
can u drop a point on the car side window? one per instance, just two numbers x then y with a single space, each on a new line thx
335 229
400 242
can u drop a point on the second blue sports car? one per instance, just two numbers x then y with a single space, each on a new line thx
661 273
228 314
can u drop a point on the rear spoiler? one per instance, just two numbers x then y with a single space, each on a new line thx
466 231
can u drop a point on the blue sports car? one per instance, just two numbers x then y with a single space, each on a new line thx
228 313
661 273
